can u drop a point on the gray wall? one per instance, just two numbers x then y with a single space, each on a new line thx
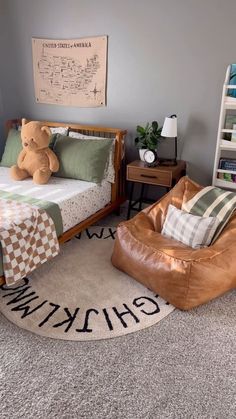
10 103
164 56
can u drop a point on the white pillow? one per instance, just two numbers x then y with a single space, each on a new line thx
192 230
54 130
59 130
109 173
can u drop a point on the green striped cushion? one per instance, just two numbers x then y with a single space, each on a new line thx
192 230
213 202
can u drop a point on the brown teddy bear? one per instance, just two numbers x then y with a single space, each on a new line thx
36 159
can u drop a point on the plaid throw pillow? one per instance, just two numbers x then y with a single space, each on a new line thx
192 230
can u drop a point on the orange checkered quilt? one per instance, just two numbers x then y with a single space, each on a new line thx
28 238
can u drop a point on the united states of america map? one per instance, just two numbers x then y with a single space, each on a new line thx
70 72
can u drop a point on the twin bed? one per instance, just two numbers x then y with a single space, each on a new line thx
81 203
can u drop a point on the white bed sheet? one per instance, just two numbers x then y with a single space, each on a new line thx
77 199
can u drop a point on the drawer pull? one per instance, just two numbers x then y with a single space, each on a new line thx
149 176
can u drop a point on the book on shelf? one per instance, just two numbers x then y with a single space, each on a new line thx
227 164
232 80
229 177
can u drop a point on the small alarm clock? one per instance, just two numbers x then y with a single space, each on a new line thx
150 158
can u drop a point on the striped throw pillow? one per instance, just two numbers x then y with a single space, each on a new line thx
192 230
213 202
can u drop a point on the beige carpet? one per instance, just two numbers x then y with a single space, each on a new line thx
79 295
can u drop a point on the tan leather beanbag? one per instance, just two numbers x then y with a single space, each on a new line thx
183 276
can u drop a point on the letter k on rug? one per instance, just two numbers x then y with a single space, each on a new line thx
79 295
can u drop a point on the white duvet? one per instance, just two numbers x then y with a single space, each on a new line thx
77 199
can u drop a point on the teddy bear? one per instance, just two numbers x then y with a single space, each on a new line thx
36 159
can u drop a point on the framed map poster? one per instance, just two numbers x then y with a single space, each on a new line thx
70 72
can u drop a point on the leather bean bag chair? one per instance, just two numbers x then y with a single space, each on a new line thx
183 276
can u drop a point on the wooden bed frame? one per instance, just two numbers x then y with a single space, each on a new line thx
117 188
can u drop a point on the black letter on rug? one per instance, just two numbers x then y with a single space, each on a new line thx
56 307
5 287
167 303
85 328
23 307
20 295
112 234
98 236
120 315
70 320
157 309
107 319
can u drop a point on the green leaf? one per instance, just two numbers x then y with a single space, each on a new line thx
148 136
140 130
154 126
147 127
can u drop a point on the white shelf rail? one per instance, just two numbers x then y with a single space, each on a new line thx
227 102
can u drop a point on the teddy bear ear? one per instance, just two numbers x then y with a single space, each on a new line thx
23 122
47 130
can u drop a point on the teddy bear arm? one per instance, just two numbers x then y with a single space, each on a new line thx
53 161
20 159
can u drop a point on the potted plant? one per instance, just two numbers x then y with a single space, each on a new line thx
148 137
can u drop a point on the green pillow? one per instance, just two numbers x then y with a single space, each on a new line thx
82 159
12 149
52 141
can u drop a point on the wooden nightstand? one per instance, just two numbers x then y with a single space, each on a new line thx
165 176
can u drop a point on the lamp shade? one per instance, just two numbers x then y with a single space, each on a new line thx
170 127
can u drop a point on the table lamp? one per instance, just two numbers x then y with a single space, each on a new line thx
169 130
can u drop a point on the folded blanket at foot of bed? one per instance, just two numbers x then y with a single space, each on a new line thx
28 234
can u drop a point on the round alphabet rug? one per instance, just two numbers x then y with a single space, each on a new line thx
80 295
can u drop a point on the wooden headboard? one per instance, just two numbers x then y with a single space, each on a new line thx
118 188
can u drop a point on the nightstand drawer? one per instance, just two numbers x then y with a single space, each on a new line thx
149 175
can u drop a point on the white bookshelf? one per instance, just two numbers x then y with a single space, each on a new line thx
225 184
231 172
227 103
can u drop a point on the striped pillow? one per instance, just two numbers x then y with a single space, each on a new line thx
192 230
213 202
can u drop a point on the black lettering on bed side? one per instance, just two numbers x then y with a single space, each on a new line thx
140 304
122 314
85 328
56 307
26 308
71 318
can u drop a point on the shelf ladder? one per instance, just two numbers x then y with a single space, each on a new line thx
227 103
